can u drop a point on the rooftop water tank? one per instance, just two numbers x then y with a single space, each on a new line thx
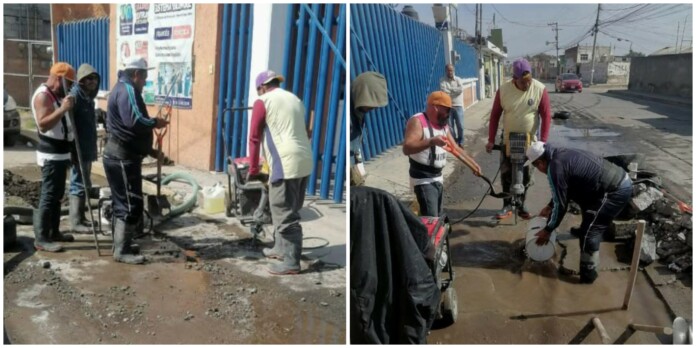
409 11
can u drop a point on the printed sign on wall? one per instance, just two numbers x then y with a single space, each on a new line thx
162 34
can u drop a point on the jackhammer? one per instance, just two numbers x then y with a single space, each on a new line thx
517 145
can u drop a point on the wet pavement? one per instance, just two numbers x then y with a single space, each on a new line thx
503 298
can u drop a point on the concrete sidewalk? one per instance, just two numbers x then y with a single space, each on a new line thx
389 170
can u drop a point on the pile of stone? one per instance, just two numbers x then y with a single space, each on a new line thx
668 233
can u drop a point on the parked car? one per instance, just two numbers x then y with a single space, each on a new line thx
12 124
568 83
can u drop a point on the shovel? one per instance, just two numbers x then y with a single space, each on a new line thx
451 149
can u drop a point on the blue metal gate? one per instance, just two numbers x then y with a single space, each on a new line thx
466 66
86 41
315 70
411 57
233 89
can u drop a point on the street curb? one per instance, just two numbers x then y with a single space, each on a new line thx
644 96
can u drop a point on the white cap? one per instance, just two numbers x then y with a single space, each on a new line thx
535 150
137 63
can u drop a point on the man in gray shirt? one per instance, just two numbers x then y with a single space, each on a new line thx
452 85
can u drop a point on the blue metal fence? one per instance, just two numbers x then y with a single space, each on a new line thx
466 66
233 89
86 41
411 57
315 70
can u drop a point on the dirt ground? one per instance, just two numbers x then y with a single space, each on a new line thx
205 282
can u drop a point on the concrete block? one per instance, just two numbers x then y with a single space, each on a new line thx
648 249
622 229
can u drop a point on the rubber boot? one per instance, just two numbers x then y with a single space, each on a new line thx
76 209
505 213
277 251
55 235
84 210
42 230
292 250
122 237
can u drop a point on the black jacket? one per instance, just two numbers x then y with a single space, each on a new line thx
393 294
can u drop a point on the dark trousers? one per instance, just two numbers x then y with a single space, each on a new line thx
596 219
287 198
53 175
429 198
126 182
506 177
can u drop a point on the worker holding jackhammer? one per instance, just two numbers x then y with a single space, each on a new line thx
129 129
523 103
278 120
427 135
601 188
86 132
367 92
50 104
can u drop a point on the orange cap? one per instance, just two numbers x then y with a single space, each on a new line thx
63 69
440 98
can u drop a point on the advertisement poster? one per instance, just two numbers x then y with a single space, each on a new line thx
162 34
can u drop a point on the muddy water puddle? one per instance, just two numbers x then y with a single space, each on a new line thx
505 298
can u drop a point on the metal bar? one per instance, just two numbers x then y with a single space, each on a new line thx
333 47
222 88
339 181
390 68
31 41
309 65
319 107
334 101
229 117
380 114
369 146
298 52
245 86
288 43
237 130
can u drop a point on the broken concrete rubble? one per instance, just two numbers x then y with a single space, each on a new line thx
648 249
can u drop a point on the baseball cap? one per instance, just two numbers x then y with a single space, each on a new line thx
137 63
63 69
519 67
266 77
535 150
439 98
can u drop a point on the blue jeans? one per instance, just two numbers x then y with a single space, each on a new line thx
595 221
76 186
457 123
53 175
429 198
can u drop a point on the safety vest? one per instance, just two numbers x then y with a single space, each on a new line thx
54 144
426 166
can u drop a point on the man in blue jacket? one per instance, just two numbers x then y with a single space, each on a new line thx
129 129
599 187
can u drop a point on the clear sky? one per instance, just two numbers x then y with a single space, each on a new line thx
649 27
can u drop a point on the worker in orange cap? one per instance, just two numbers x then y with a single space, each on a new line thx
49 104
427 133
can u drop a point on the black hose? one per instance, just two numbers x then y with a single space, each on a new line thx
490 189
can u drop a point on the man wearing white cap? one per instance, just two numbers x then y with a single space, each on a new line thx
278 119
129 129
601 188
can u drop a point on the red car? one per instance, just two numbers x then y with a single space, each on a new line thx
568 83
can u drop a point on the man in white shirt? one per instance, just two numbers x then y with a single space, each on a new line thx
452 85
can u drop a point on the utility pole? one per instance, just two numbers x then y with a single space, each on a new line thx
676 44
558 60
594 44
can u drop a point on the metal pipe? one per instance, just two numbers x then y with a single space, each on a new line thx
246 73
298 52
288 42
222 88
389 63
309 66
382 119
369 147
325 34
229 117
319 107
334 101
339 182
237 130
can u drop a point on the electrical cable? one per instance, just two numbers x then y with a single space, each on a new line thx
480 202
